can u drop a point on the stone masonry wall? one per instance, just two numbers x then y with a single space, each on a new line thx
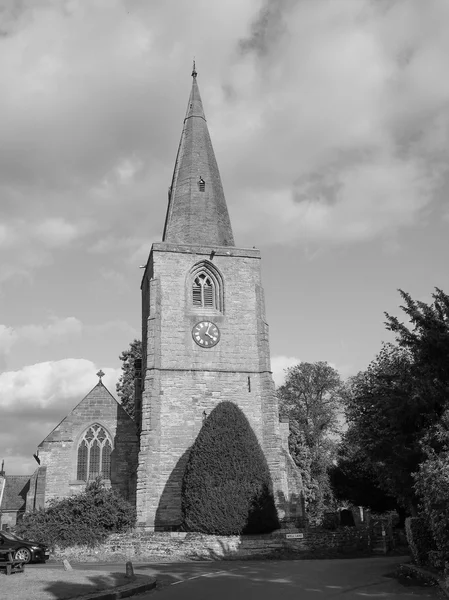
58 452
177 546
183 380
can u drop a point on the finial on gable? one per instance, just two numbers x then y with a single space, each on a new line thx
194 73
100 374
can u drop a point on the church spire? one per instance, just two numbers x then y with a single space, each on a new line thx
197 211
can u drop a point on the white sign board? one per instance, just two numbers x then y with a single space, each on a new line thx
294 536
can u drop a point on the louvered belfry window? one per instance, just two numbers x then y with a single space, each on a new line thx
206 288
204 292
94 454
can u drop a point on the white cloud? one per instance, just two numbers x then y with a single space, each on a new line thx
348 133
279 364
330 119
45 392
32 243
51 384
39 334
56 232
55 330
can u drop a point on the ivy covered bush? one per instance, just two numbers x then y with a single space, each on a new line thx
419 539
84 519
432 486
227 488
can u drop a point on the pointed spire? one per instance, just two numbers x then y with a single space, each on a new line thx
197 211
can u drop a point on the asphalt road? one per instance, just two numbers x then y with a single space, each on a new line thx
344 579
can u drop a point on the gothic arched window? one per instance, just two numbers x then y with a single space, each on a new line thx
206 287
94 454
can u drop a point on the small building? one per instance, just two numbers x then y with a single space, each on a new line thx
13 497
97 438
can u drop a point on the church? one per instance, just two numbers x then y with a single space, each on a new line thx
204 341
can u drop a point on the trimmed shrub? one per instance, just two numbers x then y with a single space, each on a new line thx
84 519
227 488
420 539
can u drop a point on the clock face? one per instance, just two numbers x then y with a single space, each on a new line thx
206 334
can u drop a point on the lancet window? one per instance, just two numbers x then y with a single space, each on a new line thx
94 454
207 287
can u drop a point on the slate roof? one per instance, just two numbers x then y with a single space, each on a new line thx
195 216
15 492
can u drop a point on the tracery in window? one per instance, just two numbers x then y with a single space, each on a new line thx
94 454
206 287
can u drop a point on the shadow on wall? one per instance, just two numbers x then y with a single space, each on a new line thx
169 513
292 509
124 456
222 484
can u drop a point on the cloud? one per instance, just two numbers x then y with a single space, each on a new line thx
35 243
44 334
46 392
56 232
279 364
350 119
49 384
8 337
41 335
330 120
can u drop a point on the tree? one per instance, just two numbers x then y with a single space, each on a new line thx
383 424
432 486
311 398
353 479
125 385
427 342
401 395
227 488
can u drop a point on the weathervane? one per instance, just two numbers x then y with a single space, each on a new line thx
100 374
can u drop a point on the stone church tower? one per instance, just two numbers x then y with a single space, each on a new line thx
205 338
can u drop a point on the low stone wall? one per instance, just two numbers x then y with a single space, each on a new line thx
145 546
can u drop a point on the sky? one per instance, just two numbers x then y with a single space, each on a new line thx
330 124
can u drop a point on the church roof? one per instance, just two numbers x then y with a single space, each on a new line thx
197 211
15 492
98 396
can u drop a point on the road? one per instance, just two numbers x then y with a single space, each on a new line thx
342 579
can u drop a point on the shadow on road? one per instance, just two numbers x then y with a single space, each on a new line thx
62 590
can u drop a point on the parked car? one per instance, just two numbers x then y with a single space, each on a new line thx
25 550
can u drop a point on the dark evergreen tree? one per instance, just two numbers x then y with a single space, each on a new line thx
401 396
353 479
227 487
125 385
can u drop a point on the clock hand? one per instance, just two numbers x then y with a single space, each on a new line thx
207 331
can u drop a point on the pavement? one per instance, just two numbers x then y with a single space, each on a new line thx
344 579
